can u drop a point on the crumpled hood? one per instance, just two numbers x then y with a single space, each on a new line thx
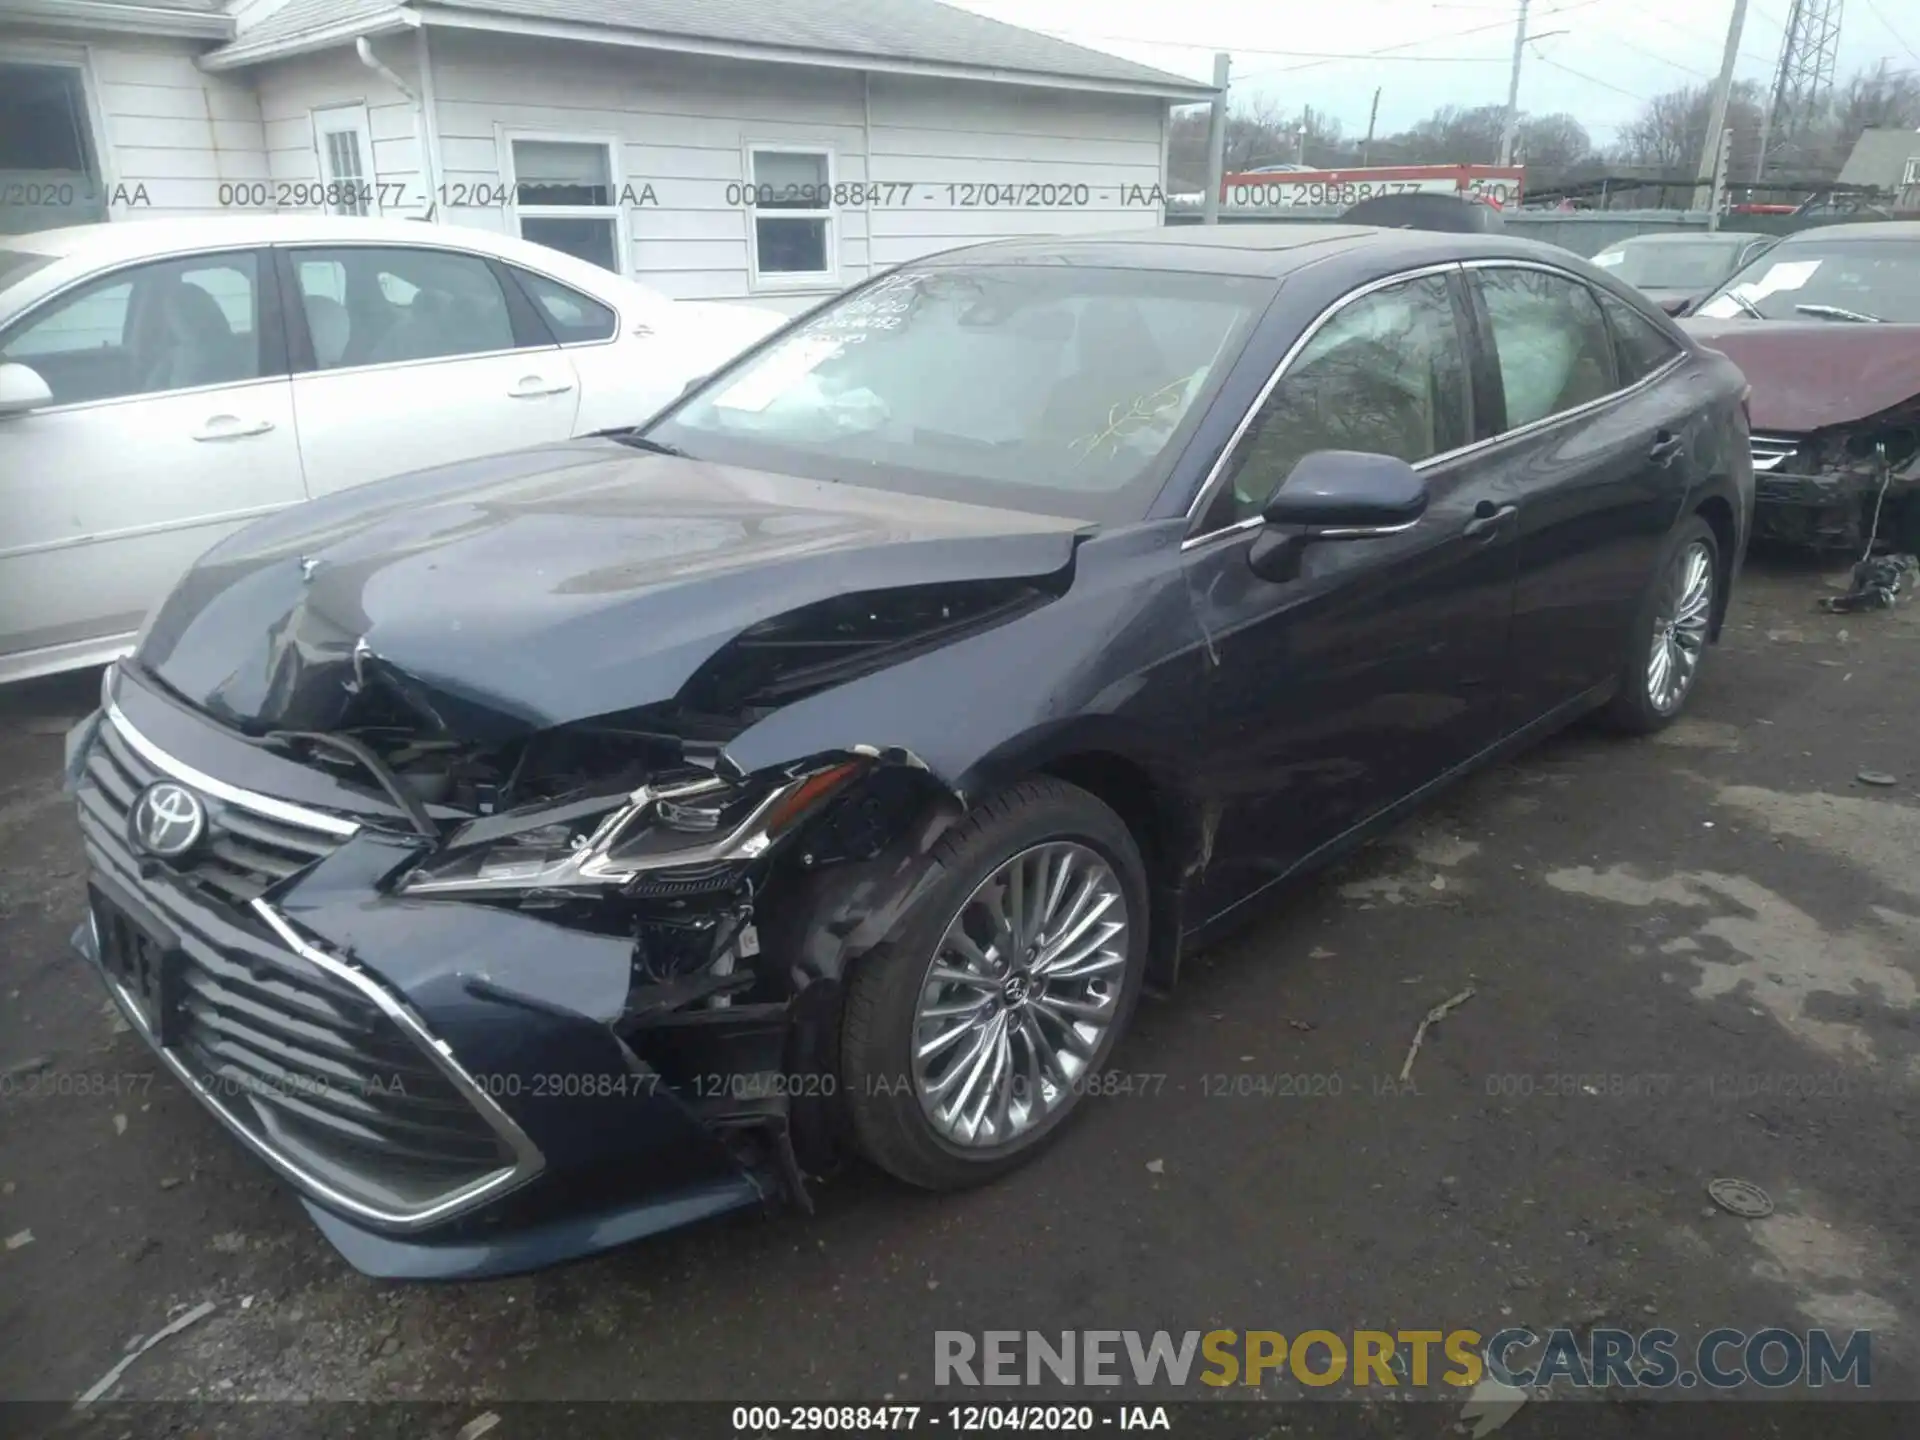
1807 375
544 586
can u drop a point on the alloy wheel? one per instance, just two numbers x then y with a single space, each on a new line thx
1020 994
1680 628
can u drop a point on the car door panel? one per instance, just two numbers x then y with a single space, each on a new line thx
383 387
1378 669
1598 482
105 499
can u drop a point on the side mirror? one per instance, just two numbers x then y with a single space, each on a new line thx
1335 495
22 389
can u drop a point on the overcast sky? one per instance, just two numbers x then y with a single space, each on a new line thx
1420 55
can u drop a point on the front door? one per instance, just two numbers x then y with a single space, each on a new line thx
1379 668
171 424
417 356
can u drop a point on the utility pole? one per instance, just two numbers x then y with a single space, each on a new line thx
1511 128
1720 178
1217 141
1366 145
1717 119
1300 140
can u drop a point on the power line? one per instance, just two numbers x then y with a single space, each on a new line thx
1698 35
1591 79
1888 25
1655 55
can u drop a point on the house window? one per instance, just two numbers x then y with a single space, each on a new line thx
566 197
49 172
346 154
1911 175
792 214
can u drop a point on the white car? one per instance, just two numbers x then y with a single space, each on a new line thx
164 381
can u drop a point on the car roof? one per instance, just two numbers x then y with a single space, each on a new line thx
98 246
1691 238
1274 250
1859 230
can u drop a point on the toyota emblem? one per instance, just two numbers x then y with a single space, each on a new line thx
167 820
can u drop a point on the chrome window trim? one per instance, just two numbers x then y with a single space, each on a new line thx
1446 456
266 805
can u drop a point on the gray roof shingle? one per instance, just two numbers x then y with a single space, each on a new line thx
899 30
1880 158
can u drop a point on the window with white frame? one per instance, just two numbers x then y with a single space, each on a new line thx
49 168
345 144
792 214
566 196
1911 176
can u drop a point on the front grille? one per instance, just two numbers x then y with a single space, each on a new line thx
1770 452
245 851
316 1066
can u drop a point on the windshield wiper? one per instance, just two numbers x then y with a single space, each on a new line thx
1837 312
1745 304
642 442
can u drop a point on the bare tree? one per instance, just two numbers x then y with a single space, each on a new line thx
1669 133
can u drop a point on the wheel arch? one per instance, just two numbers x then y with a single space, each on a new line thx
1718 512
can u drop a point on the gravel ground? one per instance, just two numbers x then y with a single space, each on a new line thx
1725 908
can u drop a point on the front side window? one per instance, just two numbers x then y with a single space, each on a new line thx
47 159
172 325
370 305
1639 345
1847 281
1063 391
1551 340
1387 374
565 197
793 218
574 318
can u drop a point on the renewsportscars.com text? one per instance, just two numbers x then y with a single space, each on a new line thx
1652 1359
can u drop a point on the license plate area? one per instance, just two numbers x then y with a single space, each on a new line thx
143 961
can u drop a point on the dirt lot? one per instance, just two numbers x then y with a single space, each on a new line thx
1726 908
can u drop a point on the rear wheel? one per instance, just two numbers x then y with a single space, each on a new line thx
972 1033
1671 632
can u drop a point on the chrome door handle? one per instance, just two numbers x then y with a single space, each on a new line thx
534 386
231 427
1490 522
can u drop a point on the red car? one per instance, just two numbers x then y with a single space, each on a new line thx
1826 326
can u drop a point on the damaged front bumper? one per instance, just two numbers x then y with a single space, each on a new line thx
1834 488
454 1088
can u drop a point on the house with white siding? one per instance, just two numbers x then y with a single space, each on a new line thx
772 149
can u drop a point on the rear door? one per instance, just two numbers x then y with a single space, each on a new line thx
171 424
407 356
1595 456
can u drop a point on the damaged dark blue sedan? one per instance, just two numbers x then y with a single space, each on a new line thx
533 854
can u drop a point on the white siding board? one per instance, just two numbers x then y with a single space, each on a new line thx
683 125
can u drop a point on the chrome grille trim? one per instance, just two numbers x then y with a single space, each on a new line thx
1770 452
266 805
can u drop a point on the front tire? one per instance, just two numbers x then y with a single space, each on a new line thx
970 1034
1671 633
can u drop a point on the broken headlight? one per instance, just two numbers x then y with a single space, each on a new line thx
602 842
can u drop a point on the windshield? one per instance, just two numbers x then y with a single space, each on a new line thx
1666 265
1838 280
1063 390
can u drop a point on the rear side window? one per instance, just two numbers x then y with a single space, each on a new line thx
574 318
1638 344
367 305
1551 340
